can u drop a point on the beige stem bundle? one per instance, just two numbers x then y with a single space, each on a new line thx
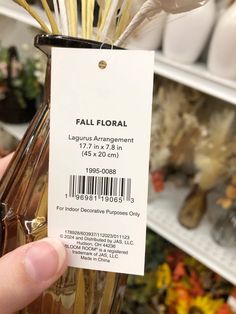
72 14
115 21
50 16
33 13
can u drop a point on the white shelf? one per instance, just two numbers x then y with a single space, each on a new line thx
10 9
196 76
162 218
17 130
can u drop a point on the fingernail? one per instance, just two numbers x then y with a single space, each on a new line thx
44 259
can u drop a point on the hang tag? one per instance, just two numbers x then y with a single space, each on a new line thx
99 156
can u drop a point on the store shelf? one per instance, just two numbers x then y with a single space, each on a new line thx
10 9
196 76
17 130
162 218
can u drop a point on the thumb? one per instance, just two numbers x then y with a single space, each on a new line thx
27 271
4 163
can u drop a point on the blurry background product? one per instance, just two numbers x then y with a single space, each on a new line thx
194 208
176 283
224 230
179 6
21 37
21 85
214 161
193 136
186 35
221 58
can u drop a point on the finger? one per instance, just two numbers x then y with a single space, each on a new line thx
27 271
4 163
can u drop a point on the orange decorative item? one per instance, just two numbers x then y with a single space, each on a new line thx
157 181
225 309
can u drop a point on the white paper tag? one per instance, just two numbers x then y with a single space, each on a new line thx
99 156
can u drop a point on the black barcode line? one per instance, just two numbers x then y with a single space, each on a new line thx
100 186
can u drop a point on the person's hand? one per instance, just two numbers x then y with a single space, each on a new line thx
4 162
28 270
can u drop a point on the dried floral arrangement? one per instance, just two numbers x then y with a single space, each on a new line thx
112 21
215 154
176 283
174 119
193 134
215 163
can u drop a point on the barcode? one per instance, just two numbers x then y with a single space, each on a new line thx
100 186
